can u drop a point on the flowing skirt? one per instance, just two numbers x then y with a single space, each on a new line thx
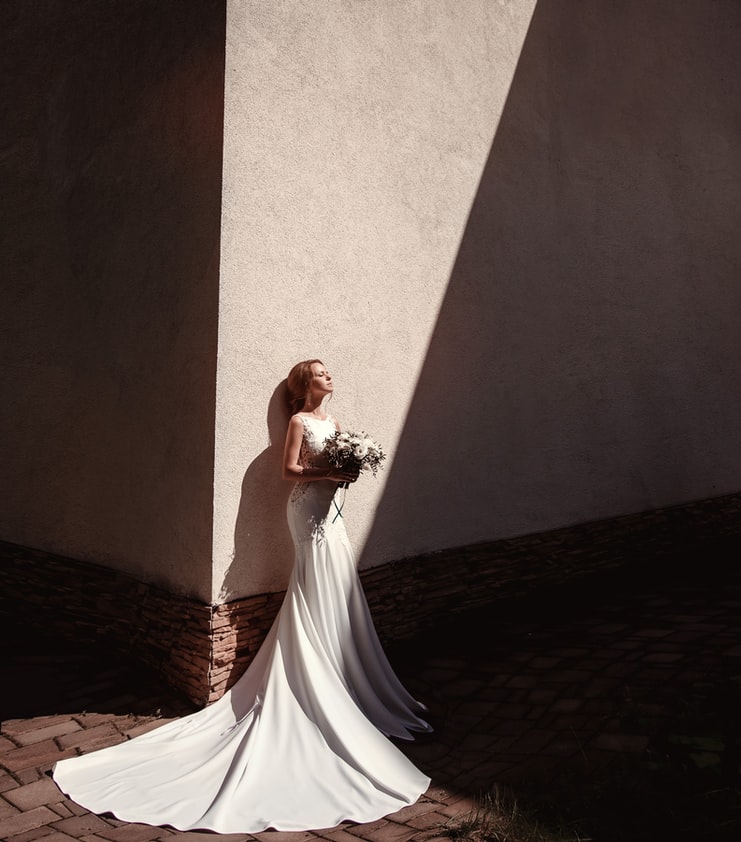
298 743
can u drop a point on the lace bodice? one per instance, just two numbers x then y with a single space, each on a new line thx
316 433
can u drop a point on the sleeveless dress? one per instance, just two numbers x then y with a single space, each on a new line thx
300 741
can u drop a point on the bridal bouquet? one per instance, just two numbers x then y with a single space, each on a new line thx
344 449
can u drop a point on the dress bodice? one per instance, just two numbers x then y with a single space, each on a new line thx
316 433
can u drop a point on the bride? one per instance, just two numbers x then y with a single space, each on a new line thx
301 740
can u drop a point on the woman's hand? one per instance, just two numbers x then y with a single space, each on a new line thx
345 474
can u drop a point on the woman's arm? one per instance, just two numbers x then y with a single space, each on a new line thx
293 470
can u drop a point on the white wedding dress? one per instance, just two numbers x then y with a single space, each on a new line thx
298 743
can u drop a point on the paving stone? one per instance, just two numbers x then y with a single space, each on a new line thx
20 726
425 821
90 720
81 825
43 791
566 705
6 745
58 729
31 835
61 809
411 810
7 782
28 821
76 809
131 833
55 836
33 756
27 776
7 809
662 658
383 831
205 836
143 728
621 742
338 834
89 738
542 696
462 688
652 633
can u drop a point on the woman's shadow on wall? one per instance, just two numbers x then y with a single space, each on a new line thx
263 549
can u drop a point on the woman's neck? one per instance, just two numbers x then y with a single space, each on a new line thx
315 409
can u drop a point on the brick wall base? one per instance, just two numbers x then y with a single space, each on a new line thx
202 649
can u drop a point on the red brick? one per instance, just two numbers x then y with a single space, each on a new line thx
427 821
44 791
411 810
272 836
7 809
76 809
383 831
20 726
28 821
338 834
35 755
6 745
201 836
38 735
132 833
33 835
7 782
87 738
28 776
61 809
90 720
143 728
80 825
54 836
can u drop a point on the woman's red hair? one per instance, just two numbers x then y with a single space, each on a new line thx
297 383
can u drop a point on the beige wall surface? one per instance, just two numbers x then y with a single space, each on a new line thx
509 229
355 137
585 359
112 127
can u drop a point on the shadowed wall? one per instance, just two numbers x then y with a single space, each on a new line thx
585 358
508 228
112 124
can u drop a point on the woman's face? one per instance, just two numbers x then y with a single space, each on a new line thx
321 380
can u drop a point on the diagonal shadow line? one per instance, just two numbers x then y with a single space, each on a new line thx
573 372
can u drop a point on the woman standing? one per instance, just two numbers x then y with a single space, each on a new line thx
300 741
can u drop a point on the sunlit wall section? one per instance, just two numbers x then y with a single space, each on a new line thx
355 138
585 361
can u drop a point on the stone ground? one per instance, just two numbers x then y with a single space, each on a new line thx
611 706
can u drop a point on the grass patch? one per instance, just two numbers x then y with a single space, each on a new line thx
499 817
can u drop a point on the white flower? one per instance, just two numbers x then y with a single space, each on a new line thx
360 451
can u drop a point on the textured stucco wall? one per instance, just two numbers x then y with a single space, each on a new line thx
585 359
509 229
112 126
355 137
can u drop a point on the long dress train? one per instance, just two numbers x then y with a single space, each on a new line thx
300 741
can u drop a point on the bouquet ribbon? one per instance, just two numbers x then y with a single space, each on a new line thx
339 509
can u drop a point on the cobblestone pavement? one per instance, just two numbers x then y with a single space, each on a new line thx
567 681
